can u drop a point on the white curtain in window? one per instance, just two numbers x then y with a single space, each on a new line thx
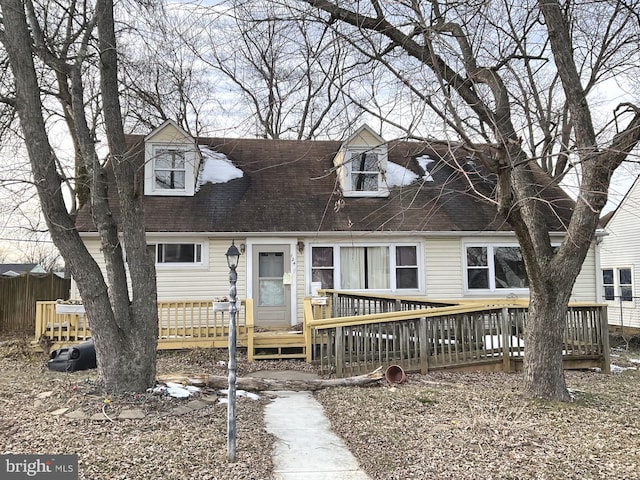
378 267
352 268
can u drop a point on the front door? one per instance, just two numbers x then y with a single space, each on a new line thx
272 285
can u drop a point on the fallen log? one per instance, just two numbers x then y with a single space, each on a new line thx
255 384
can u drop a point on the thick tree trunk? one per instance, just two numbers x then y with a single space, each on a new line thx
125 332
136 335
543 368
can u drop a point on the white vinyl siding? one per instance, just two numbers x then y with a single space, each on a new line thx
586 287
443 268
619 248
210 280
440 269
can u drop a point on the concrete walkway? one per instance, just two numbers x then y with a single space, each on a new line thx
306 448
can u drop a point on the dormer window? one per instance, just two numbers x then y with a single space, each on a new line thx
361 165
365 171
169 169
172 161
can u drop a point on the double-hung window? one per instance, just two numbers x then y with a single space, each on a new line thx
617 284
363 173
365 267
494 268
169 169
176 253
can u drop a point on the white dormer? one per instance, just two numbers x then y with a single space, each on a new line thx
172 160
362 164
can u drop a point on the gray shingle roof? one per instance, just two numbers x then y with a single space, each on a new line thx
290 186
17 267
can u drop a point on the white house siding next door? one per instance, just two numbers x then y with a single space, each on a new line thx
272 285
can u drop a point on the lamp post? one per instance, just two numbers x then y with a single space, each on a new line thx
233 256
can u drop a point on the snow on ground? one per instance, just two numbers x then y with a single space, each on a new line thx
239 393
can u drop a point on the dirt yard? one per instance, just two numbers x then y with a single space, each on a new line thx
453 426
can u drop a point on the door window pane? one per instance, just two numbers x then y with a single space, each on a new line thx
271 292
271 264
270 273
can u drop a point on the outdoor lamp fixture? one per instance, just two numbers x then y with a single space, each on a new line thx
233 256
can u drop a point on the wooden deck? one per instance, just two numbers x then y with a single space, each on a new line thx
351 334
425 335
181 324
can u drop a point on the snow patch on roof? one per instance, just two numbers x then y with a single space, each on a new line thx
216 168
424 161
398 176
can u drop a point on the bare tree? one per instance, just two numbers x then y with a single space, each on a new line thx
164 78
124 328
283 73
476 54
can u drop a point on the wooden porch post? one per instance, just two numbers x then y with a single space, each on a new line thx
306 329
339 353
506 357
424 346
249 324
604 330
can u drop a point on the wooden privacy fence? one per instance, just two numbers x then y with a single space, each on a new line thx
18 297
477 336
181 324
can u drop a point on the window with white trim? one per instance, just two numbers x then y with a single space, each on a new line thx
176 253
496 267
364 171
618 284
169 169
366 267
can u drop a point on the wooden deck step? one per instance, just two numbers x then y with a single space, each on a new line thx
278 345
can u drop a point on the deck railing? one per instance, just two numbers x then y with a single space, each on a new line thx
181 324
470 335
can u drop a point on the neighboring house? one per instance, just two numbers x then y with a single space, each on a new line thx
364 214
17 269
620 260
